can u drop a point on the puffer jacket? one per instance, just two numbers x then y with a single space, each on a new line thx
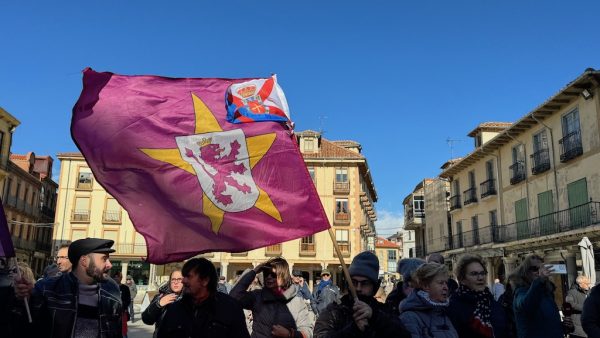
461 311
425 320
268 309
536 313
336 321
219 316
54 303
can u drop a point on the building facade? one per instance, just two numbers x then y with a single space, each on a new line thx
342 180
388 253
532 186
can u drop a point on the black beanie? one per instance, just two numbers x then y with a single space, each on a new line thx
365 264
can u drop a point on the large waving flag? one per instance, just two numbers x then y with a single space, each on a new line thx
191 181
6 245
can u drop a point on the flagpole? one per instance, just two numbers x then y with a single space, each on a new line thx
344 267
26 299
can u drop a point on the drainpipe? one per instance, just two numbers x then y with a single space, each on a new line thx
525 164
553 159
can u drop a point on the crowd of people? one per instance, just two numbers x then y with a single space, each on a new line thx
76 298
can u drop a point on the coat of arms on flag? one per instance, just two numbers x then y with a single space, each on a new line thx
191 180
257 100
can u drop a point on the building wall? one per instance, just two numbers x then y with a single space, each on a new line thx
436 213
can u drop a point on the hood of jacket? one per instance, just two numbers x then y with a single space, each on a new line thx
414 302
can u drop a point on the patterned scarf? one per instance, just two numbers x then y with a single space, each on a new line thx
481 321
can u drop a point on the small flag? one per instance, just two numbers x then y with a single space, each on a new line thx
6 245
192 181
257 100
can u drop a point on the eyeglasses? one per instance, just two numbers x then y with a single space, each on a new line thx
62 257
534 268
365 282
177 280
478 273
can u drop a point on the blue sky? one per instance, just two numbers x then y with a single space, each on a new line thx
398 77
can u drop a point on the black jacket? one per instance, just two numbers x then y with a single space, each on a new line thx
461 311
336 321
54 304
590 318
219 316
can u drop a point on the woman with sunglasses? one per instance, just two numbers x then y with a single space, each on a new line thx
166 296
423 312
536 312
473 310
277 309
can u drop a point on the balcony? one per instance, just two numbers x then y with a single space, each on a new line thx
239 254
43 246
11 201
20 204
540 161
344 249
130 249
48 212
488 188
84 184
23 244
570 146
80 216
111 216
455 202
341 188
517 172
470 195
273 250
307 249
342 218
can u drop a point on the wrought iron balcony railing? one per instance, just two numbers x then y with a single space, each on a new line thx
273 250
455 202
540 161
80 216
111 216
341 218
307 248
517 172
341 187
570 146
488 188
470 195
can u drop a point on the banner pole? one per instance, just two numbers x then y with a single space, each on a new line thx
344 267
26 299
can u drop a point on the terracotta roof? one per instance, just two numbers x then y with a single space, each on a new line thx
18 157
384 243
329 149
72 154
490 126
347 143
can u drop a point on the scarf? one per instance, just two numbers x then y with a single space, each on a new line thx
425 295
481 320
323 284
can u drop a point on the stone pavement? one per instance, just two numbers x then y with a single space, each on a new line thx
139 329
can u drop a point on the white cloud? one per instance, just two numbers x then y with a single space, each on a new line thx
388 222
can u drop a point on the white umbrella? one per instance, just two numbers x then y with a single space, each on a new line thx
587 259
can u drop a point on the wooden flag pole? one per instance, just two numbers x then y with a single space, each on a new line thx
26 299
344 267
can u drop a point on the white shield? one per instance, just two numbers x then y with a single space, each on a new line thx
224 172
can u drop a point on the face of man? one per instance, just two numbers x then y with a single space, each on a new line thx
584 283
325 277
196 286
97 265
62 260
297 280
364 286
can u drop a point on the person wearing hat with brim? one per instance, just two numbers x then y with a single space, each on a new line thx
82 303
326 293
364 317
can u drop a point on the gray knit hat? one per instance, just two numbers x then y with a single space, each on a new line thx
408 266
365 264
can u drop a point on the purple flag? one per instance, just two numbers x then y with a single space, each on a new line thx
191 181
6 245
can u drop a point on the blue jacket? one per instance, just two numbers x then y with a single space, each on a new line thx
461 311
536 313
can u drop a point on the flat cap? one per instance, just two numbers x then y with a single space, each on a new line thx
89 245
297 273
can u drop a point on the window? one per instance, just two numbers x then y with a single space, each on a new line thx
391 255
81 212
311 172
307 244
571 141
475 229
112 214
341 206
489 169
85 178
541 155
419 206
309 144
518 167
7 188
459 234
493 218
341 175
341 237
570 122
392 266
540 141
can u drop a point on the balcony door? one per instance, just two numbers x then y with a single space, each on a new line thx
579 209
521 218
546 213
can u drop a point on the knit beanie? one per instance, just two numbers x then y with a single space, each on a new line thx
408 266
365 264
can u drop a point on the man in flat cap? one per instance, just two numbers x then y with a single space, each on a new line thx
304 292
327 293
83 303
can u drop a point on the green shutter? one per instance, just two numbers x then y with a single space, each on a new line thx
546 213
579 209
521 218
